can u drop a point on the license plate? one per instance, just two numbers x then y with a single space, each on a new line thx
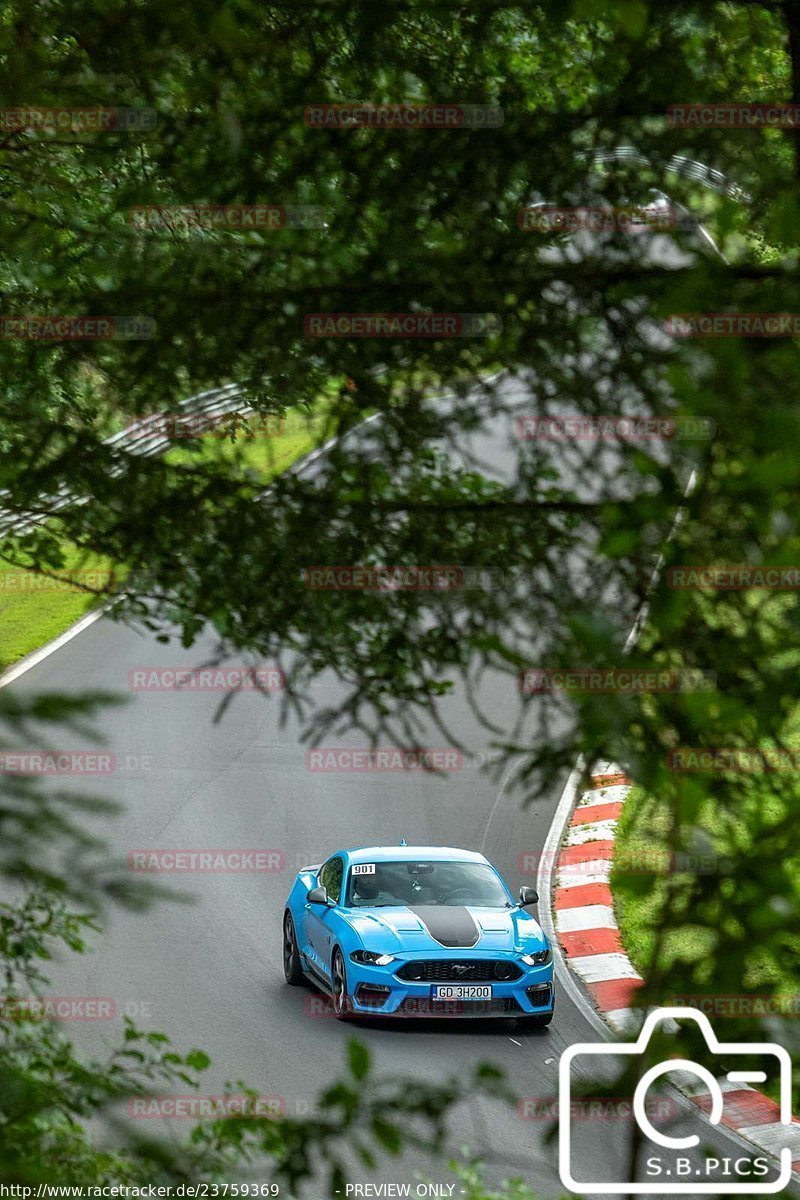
461 991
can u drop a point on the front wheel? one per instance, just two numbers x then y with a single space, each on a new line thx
341 1000
292 970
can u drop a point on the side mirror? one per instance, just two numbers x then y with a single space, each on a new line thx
317 895
528 895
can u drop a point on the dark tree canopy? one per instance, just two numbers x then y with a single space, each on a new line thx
426 221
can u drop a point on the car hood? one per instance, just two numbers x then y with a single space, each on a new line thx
440 927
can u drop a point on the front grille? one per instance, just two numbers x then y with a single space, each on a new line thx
539 995
423 1007
459 970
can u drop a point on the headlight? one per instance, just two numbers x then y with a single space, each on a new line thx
371 958
539 958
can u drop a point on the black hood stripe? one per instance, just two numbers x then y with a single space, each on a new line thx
448 925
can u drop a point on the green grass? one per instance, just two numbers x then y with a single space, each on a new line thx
690 954
642 835
256 452
639 899
35 609
725 829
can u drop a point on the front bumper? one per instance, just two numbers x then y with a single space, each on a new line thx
378 992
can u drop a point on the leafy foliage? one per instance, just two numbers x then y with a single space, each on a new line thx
417 221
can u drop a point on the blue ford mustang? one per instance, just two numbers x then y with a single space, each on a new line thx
424 931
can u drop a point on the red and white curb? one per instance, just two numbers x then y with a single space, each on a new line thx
584 906
589 936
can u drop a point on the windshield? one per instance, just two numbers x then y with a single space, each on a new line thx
385 884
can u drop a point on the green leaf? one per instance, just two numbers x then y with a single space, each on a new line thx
358 1059
388 1135
198 1060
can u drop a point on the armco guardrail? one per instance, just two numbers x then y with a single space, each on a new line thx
678 164
144 438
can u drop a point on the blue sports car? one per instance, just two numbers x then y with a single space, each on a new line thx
425 931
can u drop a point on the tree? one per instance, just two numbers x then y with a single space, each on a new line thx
426 221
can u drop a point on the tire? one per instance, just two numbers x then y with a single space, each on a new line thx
292 970
539 1022
342 1007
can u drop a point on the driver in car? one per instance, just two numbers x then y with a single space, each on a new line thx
366 888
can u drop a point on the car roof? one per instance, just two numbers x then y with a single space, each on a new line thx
362 854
